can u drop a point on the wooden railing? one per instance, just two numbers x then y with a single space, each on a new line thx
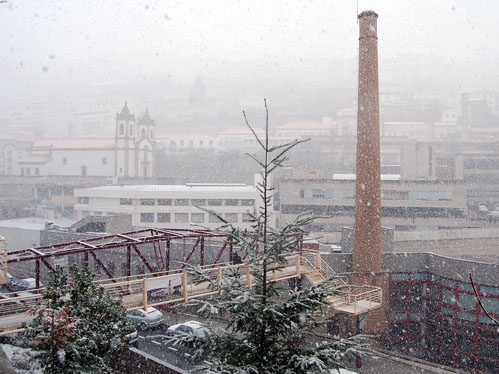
164 288
314 260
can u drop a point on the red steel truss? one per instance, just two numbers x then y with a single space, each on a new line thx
131 242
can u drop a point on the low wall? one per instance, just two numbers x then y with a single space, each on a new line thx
478 233
483 273
135 361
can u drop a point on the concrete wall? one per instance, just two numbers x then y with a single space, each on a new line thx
346 241
484 273
20 238
475 233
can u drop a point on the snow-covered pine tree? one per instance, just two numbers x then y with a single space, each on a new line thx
78 327
269 329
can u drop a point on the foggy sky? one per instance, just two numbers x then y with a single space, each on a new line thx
88 42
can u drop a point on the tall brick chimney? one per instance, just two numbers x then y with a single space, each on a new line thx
367 232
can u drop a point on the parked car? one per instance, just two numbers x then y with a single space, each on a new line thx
145 319
25 284
132 338
194 328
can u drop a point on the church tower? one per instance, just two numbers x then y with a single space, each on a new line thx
125 143
145 145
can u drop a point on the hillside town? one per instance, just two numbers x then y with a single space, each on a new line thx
161 196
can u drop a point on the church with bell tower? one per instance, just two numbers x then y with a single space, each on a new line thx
134 144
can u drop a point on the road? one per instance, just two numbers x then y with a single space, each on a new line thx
152 342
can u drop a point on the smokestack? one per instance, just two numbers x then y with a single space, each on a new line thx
367 231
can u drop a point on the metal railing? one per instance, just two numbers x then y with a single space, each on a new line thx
4 278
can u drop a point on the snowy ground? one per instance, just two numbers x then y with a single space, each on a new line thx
22 359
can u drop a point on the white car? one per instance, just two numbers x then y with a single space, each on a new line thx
194 328
145 319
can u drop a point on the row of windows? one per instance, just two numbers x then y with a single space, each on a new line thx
188 202
386 211
191 143
440 318
481 164
27 171
142 132
385 195
56 191
103 160
192 217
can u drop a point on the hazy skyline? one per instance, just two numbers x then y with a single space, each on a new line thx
58 43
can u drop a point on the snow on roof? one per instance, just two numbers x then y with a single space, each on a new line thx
304 125
174 135
35 159
384 177
33 223
442 123
191 187
412 123
241 131
74 143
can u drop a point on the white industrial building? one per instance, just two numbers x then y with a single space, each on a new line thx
173 206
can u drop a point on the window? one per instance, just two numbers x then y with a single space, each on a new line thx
164 217
164 201
201 143
211 143
37 171
198 202
181 202
246 217
28 171
231 217
147 202
56 191
68 191
64 160
214 218
122 129
143 133
215 202
146 217
248 202
104 160
98 214
181 217
232 202
197 217
83 200
191 143
125 201
152 134
131 130
22 171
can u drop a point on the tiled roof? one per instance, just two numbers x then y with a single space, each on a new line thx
75 143
35 159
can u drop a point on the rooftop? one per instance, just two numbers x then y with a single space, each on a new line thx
190 187
35 159
75 143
